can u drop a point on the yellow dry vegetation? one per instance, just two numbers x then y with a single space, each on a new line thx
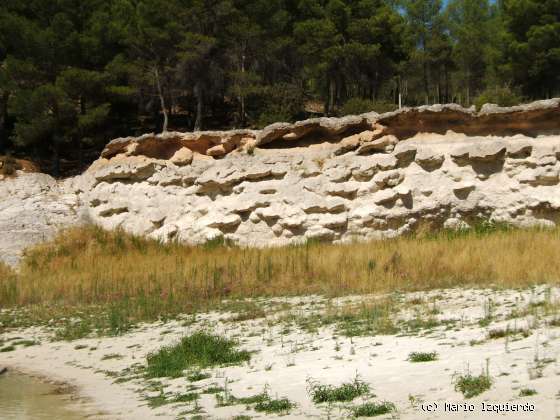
90 266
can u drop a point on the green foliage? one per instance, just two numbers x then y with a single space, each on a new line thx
471 386
7 349
342 393
417 357
198 376
197 350
282 405
373 409
261 402
502 96
356 106
527 392
534 44
281 102
73 77
74 330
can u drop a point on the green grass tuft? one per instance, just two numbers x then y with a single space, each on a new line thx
527 392
282 405
471 386
343 393
418 356
7 349
197 350
497 333
373 409
198 376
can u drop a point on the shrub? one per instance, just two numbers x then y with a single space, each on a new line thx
501 96
471 386
357 106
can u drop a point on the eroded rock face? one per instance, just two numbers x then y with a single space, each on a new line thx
368 133
33 207
339 180
281 196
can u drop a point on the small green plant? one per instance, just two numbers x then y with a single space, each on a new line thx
158 400
213 390
262 402
507 332
418 357
527 392
112 356
282 405
182 398
228 399
365 319
198 376
25 343
118 320
197 350
73 330
6 349
372 409
488 313
342 393
471 386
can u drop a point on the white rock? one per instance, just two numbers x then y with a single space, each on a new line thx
385 196
428 159
182 157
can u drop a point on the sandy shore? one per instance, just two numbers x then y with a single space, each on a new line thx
288 355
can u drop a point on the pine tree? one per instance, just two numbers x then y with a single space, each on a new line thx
534 49
469 22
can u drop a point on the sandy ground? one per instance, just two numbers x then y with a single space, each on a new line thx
288 355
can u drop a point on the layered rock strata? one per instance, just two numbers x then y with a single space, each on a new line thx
354 178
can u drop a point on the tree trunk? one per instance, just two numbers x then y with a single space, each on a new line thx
198 92
468 87
56 157
446 84
426 83
3 117
161 100
330 101
242 96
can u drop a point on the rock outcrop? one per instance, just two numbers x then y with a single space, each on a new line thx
33 207
354 178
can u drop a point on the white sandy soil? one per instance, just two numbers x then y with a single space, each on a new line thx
287 356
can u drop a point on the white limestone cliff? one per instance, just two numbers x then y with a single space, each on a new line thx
354 178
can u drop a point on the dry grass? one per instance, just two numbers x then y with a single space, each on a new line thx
88 266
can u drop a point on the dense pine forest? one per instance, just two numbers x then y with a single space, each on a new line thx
76 73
